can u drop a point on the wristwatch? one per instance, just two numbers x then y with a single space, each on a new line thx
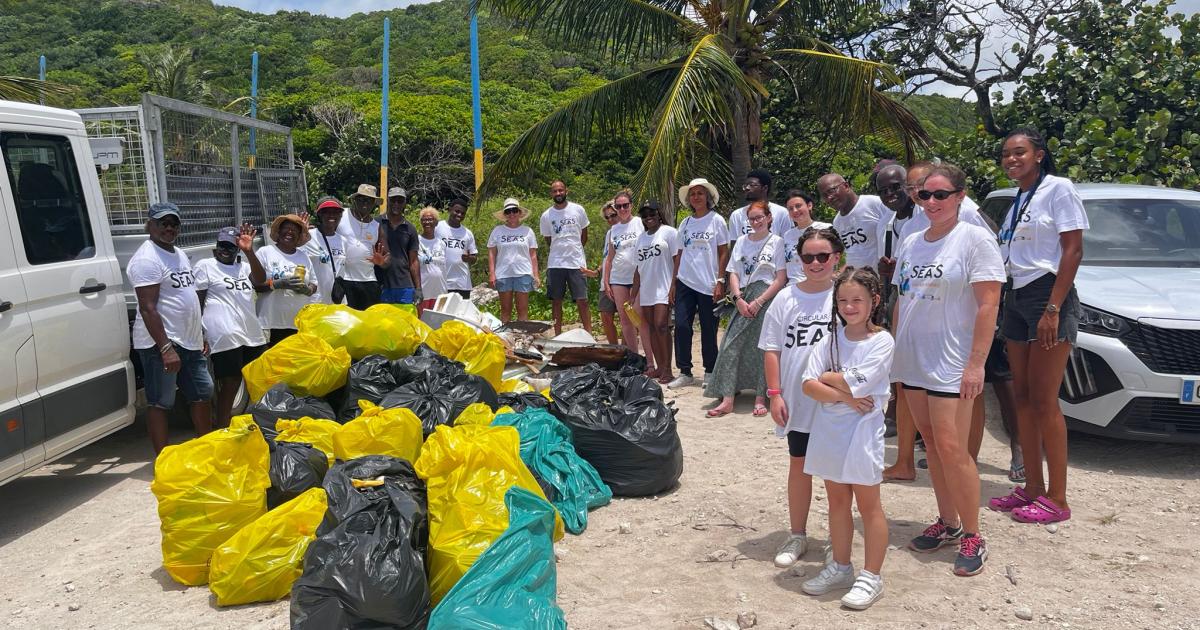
720 280
1051 308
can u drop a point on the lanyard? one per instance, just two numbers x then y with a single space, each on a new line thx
332 262
1017 213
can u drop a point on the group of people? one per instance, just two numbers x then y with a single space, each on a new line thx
895 306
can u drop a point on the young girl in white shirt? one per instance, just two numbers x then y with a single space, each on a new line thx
796 321
652 288
848 372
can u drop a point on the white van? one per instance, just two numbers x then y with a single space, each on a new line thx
65 375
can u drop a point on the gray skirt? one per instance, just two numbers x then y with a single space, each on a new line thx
739 361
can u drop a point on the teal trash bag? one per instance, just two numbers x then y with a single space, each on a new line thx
574 486
514 583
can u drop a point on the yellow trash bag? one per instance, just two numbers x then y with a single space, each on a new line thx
309 366
467 470
260 562
208 489
307 430
481 353
475 413
379 431
382 329
514 386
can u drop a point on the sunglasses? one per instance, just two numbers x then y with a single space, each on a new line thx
822 258
512 211
610 217
940 195
893 189
622 206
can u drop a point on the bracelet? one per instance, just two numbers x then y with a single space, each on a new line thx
774 392
165 347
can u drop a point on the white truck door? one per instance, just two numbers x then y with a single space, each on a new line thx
72 285
16 332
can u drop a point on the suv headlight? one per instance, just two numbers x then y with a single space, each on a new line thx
1098 322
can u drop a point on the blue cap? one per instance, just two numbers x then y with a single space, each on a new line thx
162 209
228 235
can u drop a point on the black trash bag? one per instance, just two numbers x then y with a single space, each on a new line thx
280 402
370 379
437 399
622 427
366 568
424 362
295 467
632 364
522 401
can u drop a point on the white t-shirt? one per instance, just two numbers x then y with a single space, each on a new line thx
177 301
564 228
328 262
937 304
1034 250
756 260
860 231
229 318
739 225
794 323
512 250
431 252
359 244
791 255
458 241
655 264
622 239
277 309
845 446
698 243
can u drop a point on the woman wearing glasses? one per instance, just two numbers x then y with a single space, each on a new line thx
756 273
512 260
799 207
948 279
621 262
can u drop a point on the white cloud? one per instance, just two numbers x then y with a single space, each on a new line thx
332 8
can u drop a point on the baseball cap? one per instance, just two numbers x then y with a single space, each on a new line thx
650 204
162 209
228 235
396 191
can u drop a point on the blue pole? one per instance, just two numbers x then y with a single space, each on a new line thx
476 114
42 78
253 107
383 131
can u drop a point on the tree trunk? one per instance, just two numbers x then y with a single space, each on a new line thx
740 147
983 106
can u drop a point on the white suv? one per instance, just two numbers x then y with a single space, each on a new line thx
1135 371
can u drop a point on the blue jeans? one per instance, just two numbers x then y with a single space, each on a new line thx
688 303
398 296
160 385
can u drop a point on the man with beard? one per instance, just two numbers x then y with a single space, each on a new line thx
400 273
564 225
857 220
758 188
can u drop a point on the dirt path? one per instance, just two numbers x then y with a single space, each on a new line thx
84 533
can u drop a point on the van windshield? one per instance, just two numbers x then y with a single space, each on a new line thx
1142 232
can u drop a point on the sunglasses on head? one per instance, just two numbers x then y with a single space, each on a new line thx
940 195
823 257
512 211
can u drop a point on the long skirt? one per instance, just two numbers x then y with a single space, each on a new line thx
739 361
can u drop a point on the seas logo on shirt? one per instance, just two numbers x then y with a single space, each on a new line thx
237 284
512 238
646 253
853 237
332 252
558 226
623 238
764 257
279 271
858 376
454 243
805 331
927 277
426 255
182 279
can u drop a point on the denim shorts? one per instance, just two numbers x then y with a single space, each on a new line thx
520 284
406 295
1023 308
192 376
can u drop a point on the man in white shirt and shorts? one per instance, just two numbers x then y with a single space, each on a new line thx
564 225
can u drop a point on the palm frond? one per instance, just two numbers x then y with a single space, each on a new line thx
852 91
624 29
803 15
29 90
616 106
702 93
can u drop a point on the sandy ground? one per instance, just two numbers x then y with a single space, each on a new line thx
79 545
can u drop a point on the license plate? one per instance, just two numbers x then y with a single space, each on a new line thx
1189 393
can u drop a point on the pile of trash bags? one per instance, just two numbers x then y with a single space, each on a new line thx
387 476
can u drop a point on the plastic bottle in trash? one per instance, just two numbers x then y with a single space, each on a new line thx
631 312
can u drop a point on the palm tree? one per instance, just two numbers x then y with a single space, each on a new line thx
29 90
701 107
169 73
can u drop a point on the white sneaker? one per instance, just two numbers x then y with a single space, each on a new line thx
829 579
683 380
866 590
791 551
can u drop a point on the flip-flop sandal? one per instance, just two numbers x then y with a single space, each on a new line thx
760 411
716 413
1042 511
1017 475
1013 500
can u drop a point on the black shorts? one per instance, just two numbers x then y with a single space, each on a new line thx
464 293
797 443
606 304
1024 307
229 363
995 368
932 392
361 295
557 280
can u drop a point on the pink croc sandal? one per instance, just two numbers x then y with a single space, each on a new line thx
1015 499
1042 511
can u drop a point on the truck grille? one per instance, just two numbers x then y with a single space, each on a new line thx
1166 350
1161 415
